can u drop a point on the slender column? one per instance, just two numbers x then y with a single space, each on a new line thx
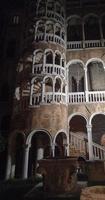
83 34
53 62
53 91
8 167
90 143
31 93
13 170
86 85
26 157
43 90
101 32
53 150
44 62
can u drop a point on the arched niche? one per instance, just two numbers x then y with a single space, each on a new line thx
57 58
38 57
74 29
98 128
41 27
49 28
40 148
77 125
48 84
58 84
60 145
76 77
95 73
57 30
91 27
49 57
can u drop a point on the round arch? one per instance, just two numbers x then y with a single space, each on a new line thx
90 15
60 131
95 60
94 114
74 62
28 140
79 114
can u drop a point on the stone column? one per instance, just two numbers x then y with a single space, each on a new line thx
83 34
86 86
43 90
53 150
8 167
26 158
31 93
90 142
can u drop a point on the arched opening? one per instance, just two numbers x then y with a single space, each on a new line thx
49 28
60 145
95 73
98 128
92 31
38 57
76 77
58 85
40 148
74 29
48 85
57 30
36 91
57 58
78 136
78 124
41 28
49 57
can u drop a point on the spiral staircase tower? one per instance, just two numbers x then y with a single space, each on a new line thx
39 121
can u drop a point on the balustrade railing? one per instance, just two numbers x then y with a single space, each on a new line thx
80 142
85 44
50 37
47 98
48 69
51 14
98 151
76 97
92 97
75 45
96 96
36 99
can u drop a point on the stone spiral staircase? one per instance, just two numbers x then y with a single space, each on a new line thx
79 147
